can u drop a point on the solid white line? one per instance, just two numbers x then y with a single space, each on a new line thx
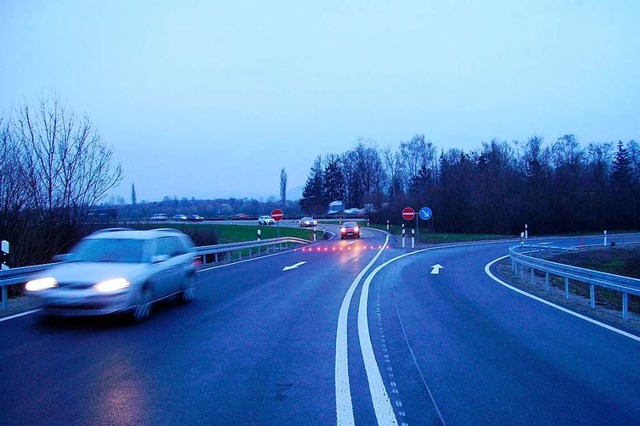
553 305
379 396
344 404
19 315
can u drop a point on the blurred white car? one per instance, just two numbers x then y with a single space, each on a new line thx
308 222
266 220
119 270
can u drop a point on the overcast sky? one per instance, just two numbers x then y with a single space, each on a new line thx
213 98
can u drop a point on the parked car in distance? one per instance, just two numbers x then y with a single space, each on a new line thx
350 229
159 217
179 217
119 270
266 220
195 218
308 222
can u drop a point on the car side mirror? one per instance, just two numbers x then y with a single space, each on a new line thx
160 258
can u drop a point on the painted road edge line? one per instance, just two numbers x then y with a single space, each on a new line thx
553 305
344 404
19 315
379 396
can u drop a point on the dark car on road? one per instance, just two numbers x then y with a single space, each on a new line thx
350 229
119 270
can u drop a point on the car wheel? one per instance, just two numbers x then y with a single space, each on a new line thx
188 292
142 310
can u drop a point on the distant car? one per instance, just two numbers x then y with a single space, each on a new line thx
266 220
159 217
179 217
119 270
308 222
350 229
195 218
241 216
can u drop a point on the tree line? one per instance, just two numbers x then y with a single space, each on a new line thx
54 168
497 188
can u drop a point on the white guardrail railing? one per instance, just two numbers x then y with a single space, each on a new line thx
208 254
523 260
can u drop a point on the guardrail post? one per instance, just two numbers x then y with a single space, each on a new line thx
546 281
5 296
625 306
215 257
592 296
533 276
566 288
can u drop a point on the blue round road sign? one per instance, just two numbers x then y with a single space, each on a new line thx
425 213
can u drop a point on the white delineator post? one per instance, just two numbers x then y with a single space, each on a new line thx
4 252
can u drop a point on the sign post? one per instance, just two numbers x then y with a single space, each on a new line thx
277 215
407 214
425 214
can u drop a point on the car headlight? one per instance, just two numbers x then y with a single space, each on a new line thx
343 230
356 229
112 285
41 284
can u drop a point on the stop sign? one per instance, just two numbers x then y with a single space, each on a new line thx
408 213
277 215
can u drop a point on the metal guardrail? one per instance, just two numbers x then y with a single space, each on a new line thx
209 254
521 260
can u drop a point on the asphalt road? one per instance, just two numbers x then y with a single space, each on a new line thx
346 331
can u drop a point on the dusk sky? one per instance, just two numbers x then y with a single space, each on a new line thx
212 99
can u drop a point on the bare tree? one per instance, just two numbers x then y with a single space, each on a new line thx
55 168
65 164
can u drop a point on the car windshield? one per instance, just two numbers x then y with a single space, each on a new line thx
120 250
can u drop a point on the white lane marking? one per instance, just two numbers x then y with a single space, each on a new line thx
379 397
553 305
344 404
371 366
19 315
252 259
297 265
435 269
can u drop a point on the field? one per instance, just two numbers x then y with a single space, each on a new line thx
204 234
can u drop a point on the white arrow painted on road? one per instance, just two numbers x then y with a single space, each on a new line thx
288 268
435 269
